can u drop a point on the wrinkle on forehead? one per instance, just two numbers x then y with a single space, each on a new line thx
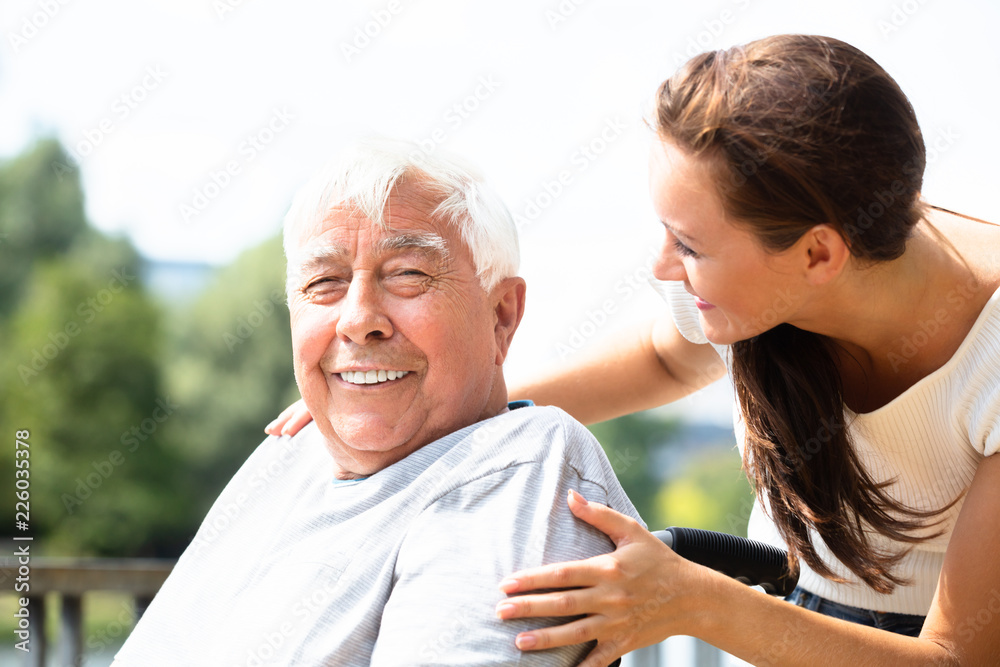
410 199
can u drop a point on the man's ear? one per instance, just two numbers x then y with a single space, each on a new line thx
824 254
508 297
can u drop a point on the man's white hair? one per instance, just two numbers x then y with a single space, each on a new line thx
363 177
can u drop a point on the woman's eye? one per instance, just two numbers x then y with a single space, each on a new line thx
683 249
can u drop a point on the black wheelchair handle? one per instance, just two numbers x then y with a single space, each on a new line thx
749 561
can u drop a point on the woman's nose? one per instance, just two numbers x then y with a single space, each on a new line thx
668 265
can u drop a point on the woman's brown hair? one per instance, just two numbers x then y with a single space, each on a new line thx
803 130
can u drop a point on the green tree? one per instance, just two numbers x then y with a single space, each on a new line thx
80 369
41 215
230 370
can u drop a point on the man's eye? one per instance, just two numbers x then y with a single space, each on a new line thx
408 282
322 284
408 272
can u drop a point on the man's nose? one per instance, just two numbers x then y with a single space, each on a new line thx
362 316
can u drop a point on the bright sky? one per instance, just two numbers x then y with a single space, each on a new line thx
194 121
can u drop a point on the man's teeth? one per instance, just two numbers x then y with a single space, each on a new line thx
371 377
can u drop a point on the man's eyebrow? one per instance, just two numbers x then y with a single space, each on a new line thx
319 257
427 242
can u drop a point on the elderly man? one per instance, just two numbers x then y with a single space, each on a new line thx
379 534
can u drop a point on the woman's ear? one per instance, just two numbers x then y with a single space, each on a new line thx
508 300
824 254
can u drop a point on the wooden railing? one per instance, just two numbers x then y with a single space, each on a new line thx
70 578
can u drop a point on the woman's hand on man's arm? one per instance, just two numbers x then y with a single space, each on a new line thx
641 594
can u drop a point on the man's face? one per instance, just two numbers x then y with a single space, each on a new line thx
369 304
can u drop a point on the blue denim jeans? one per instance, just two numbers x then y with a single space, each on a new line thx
901 624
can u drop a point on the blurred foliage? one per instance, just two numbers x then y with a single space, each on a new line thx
138 412
141 411
711 492
230 368
41 216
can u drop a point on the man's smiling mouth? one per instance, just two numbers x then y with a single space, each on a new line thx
371 377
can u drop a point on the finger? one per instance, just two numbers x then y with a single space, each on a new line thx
620 528
572 574
274 428
577 632
575 602
297 421
603 654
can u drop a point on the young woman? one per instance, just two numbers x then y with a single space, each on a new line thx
861 329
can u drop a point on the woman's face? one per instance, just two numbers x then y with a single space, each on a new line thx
741 290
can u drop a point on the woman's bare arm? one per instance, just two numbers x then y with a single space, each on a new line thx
638 370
